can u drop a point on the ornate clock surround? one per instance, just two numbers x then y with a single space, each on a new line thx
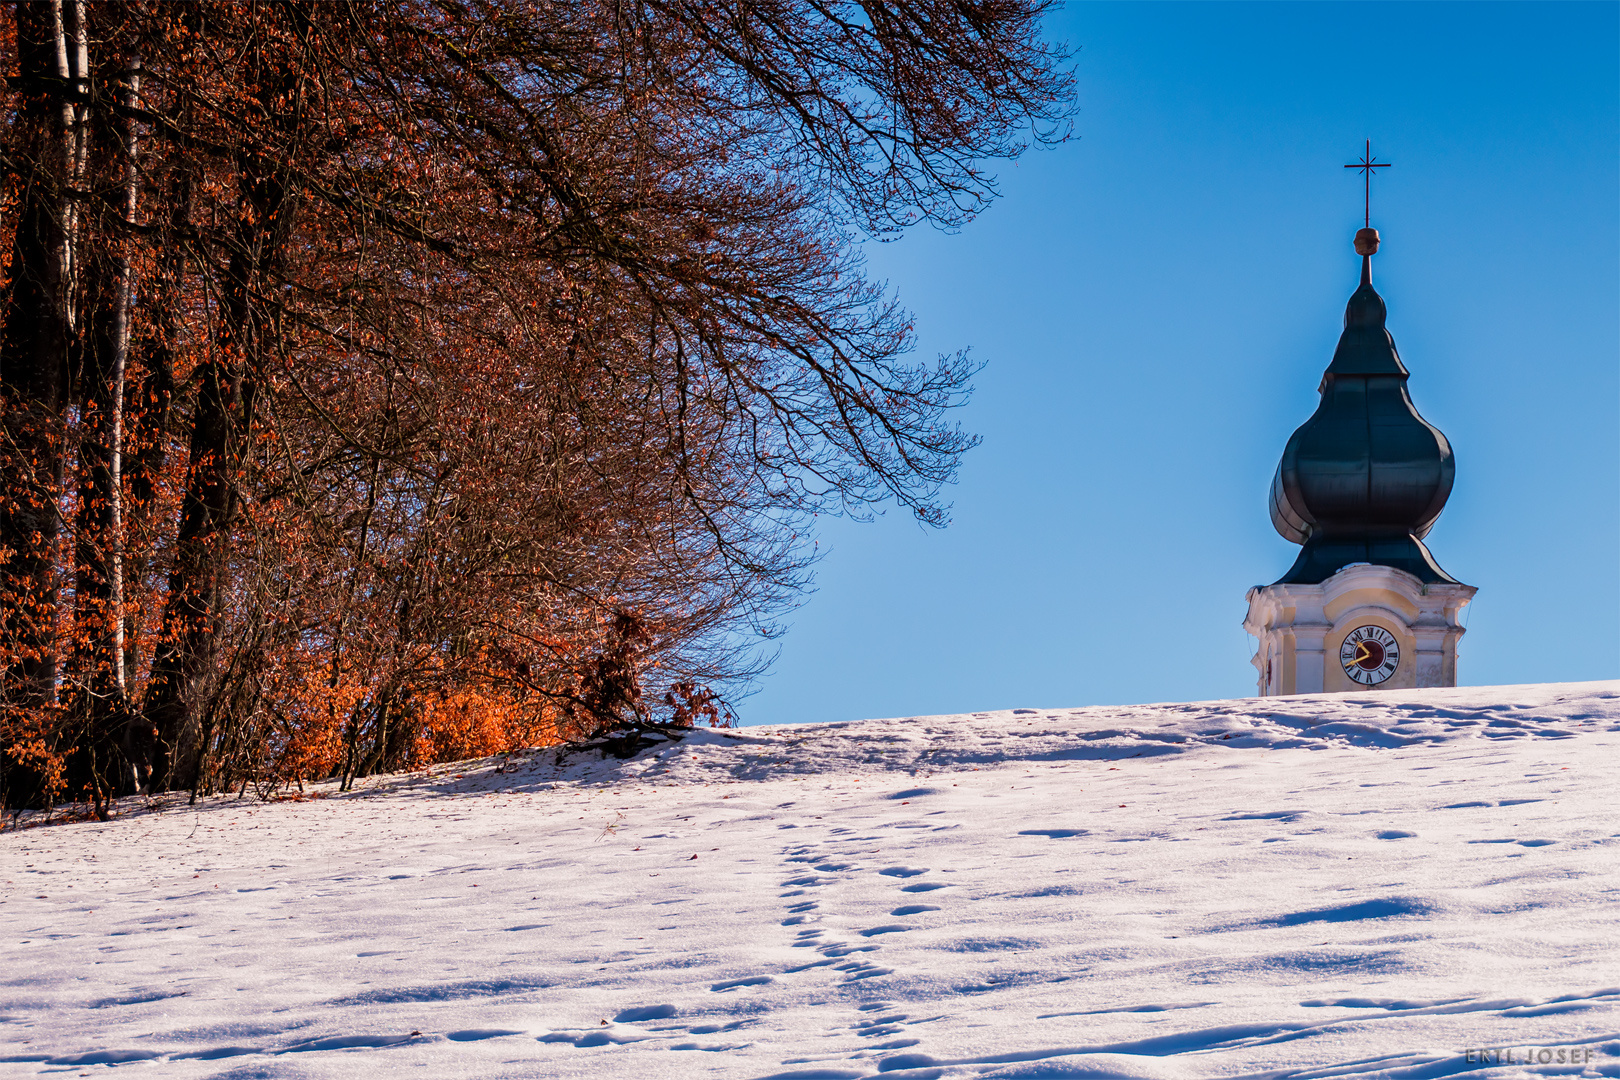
1301 629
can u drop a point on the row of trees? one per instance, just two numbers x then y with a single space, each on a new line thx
393 381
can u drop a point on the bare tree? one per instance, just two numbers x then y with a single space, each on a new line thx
490 361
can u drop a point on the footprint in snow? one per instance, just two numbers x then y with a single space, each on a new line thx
859 970
595 1038
903 871
1391 1004
479 1034
99 1057
1168 1006
874 1026
1385 908
644 1012
350 1042
1286 816
837 950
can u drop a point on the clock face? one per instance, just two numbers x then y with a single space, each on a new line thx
1370 654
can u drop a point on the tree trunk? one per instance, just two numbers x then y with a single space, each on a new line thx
183 667
120 365
34 360
151 414
95 680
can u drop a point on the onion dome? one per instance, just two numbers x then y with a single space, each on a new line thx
1364 479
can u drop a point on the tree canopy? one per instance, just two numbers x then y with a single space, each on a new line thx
387 382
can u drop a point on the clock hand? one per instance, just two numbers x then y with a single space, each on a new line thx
1362 652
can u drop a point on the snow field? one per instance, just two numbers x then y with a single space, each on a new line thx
1394 884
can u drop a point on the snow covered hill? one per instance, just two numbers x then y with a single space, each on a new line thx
1400 884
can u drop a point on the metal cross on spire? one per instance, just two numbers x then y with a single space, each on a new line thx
1367 164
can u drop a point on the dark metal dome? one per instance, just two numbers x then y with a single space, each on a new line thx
1364 479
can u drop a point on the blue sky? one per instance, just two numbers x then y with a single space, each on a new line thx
1156 300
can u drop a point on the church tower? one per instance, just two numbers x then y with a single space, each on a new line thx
1365 606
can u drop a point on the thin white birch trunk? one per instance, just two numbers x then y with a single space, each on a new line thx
71 48
73 66
115 555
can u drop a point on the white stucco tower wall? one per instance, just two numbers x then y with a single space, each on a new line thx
1301 628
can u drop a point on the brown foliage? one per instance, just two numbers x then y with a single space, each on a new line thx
386 383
